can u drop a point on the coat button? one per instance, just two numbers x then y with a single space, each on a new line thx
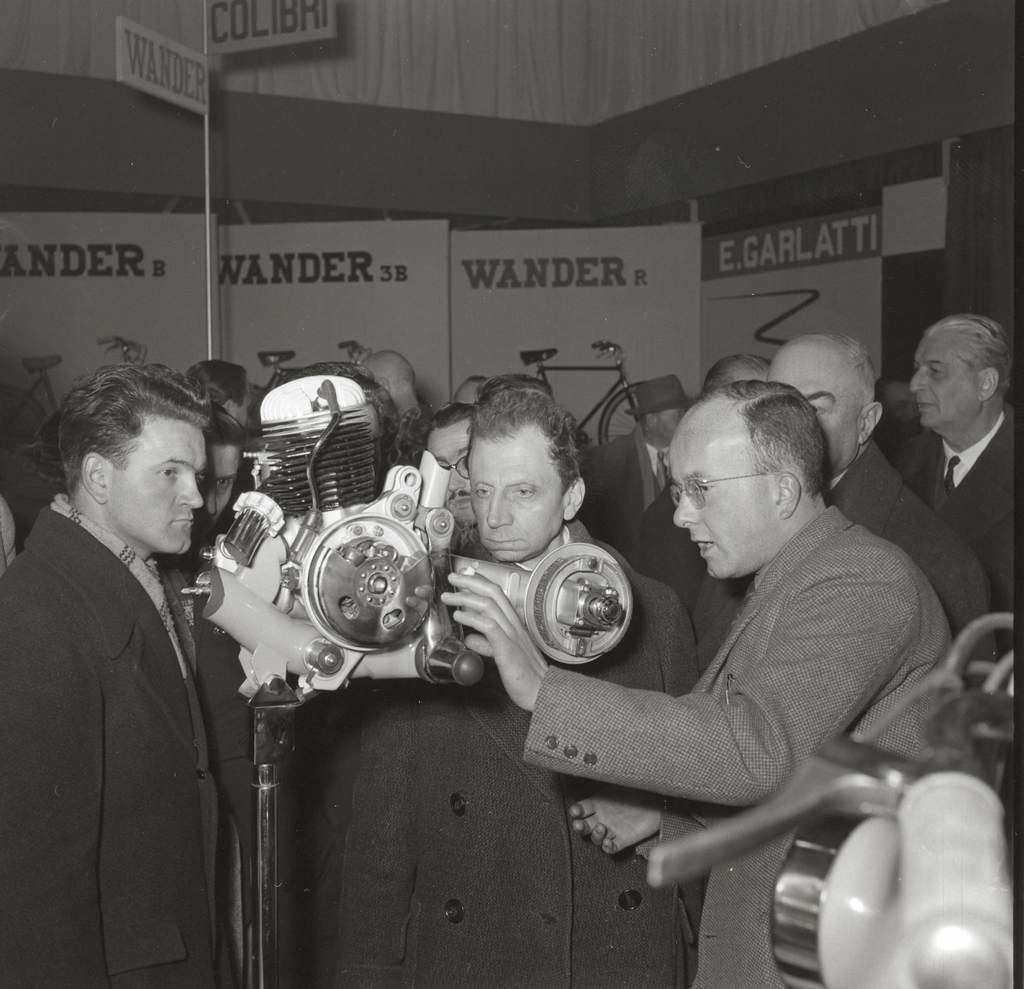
458 802
551 742
571 751
630 899
454 912
590 759
201 774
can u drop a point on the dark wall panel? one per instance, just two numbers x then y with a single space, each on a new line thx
76 133
914 81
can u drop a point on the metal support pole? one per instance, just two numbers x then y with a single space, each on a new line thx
273 710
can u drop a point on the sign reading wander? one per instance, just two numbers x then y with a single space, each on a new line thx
149 62
516 290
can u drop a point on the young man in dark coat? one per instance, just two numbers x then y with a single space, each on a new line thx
461 867
108 813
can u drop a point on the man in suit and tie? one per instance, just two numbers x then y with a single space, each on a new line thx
624 477
838 630
962 465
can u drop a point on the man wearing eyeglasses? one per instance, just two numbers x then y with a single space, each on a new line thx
448 441
837 630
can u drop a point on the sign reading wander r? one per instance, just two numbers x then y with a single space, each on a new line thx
149 62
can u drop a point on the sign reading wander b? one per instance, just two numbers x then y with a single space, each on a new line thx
149 62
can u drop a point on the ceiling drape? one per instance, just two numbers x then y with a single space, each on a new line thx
559 61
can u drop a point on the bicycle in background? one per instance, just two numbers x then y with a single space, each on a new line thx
23 410
613 407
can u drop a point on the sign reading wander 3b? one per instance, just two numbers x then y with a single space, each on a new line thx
156 65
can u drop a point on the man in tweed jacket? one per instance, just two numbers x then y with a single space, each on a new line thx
838 628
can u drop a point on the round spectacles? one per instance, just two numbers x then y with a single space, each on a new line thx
461 466
696 488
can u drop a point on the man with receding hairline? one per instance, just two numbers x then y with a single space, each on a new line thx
838 630
834 372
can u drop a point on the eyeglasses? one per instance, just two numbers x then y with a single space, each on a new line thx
696 488
461 466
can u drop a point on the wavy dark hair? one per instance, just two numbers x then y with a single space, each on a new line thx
508 410
106 410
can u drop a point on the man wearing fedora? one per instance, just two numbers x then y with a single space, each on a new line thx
624 476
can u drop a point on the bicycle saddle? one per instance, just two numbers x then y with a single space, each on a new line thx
41 363
270 358
536 356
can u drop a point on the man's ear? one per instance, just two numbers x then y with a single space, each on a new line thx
867 420
573 498
988 383
789 491
96 477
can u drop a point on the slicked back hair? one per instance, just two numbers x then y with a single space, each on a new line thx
982 343
516 381
735 367
784 431
450 414
224 429
509 410
105 411
225 382
857 356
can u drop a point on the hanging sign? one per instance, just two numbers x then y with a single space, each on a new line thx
244 25
149 62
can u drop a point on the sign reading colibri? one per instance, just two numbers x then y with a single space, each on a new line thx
243 25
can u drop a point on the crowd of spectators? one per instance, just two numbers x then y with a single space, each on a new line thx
776 538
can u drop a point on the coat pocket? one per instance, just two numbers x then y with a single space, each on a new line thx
141 946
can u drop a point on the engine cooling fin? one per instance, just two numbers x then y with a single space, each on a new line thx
346 468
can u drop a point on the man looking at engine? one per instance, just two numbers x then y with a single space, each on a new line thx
475 874
839 628
109 812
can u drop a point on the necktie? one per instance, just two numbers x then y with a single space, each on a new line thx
662 470
947 481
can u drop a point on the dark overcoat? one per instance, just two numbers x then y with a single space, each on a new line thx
980 508
460 866
620 485
108 816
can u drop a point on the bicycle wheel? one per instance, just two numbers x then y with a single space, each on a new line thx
20 416
615 419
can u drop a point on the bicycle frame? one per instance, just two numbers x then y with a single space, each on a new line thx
621 381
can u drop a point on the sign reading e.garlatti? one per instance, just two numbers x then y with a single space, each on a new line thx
244 25
149 62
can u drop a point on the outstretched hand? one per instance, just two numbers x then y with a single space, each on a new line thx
615 818
498 632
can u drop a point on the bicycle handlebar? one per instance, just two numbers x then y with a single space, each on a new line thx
606 348
132 352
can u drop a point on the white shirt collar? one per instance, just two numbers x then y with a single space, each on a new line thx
652 455
969 457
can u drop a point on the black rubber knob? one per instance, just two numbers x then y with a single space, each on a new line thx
468 668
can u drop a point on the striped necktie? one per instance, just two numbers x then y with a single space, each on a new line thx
947 481
662 476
